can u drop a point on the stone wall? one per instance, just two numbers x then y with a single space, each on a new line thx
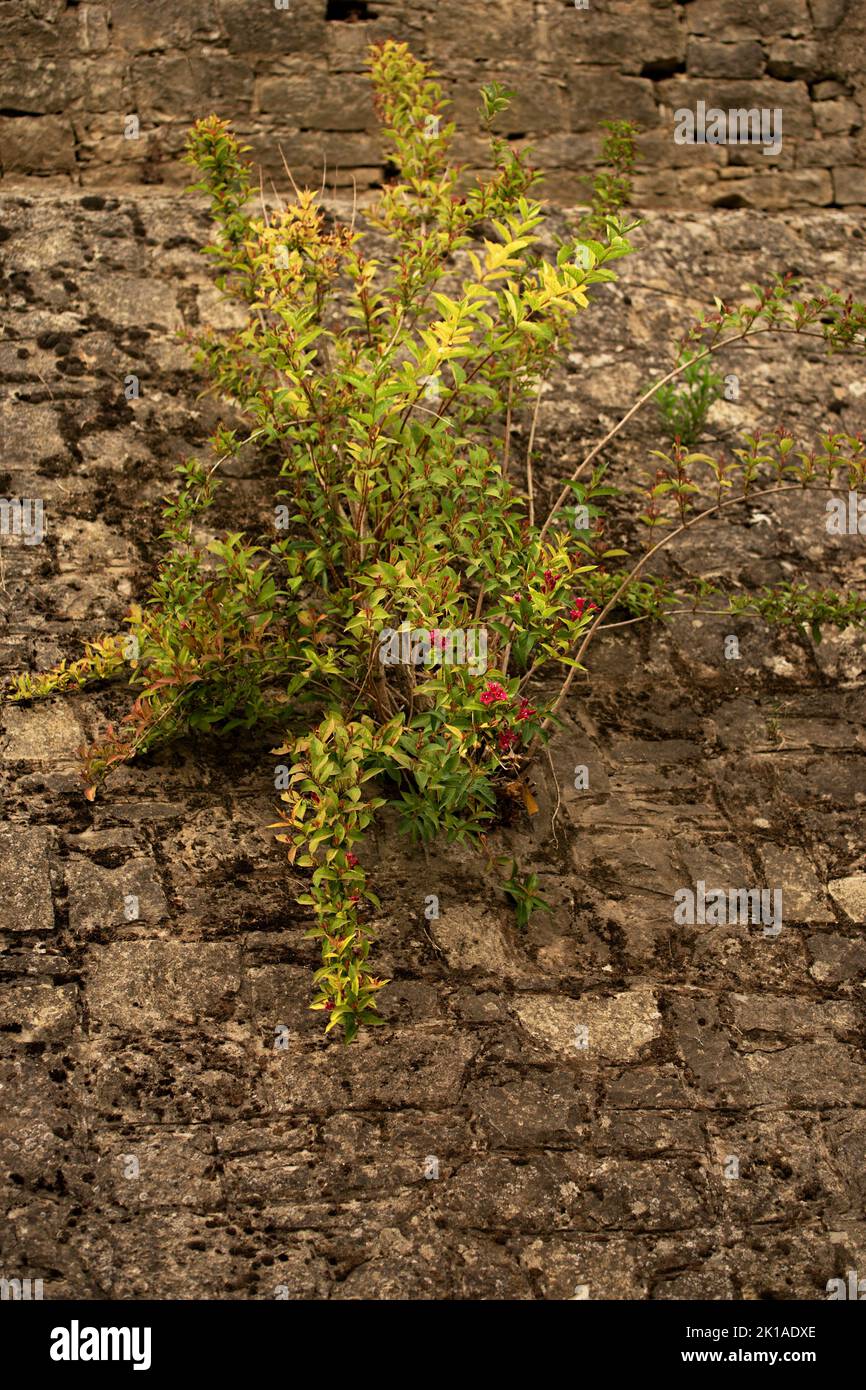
294 77
260 1169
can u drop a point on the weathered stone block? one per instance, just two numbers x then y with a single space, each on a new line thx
829 152
735 19
792 98
35 1115
827 14
629 1194
836 960
264 30
803 896
94 30
710 58
30 433
492 1191
143 1170
645 44
550 1108
430 1073
152 26
592 1267
839 116
793 58
808 1074
42 733
33 1011
329 103
151 986
801 1018
36 86
189 86
773 192
850 894
604 95
707 1050
825 91
36 145
617 1026
100 898
475 940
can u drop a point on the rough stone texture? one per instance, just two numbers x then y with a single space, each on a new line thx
292 77
172 1122
616 1028
850 894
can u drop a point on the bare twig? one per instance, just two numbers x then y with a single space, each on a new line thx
289 172
558 797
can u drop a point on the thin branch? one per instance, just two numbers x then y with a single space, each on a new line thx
262 197
751 331
289 172
558 797
530 490
597 448
669 536
507 449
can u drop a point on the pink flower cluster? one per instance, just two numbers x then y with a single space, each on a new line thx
493 694
496 694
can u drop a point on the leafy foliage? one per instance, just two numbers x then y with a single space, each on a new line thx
385 387
612 184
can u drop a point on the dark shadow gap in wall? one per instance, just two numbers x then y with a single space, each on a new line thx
658 71
349 11
390 175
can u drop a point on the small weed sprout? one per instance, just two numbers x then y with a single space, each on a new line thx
683 404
